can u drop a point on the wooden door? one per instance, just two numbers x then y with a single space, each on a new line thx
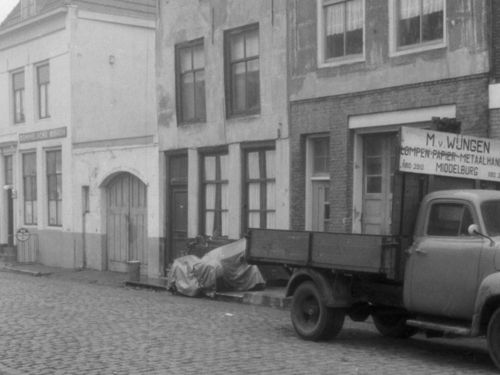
126 222
179 221
379 156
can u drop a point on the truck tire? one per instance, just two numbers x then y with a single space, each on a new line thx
311 318
493 337
393 325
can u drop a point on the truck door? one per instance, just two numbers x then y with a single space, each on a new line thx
442 269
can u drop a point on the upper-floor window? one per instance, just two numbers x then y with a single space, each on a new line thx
343 28
43 82
419 21
190 59
242 71
18 96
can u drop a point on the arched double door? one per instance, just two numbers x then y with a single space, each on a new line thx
126 222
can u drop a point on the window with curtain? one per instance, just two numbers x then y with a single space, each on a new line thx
215 195
242 71
343 21
18 96
419 21
54 187
30 189
43 81
191 82
260 184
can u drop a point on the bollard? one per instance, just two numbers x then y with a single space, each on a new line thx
134 270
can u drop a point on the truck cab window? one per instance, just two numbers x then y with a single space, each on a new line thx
491 215
449 219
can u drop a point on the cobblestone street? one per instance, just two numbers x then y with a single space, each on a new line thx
59 325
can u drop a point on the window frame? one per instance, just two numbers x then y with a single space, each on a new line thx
22 97
45 86
59 199
395 50
178 79
228 64
32 178
323 62
218 182
263 182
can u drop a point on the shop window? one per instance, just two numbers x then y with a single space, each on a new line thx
190 59
18 96
242 71
215 195
419 22
43 82
30 189
260 188
54 187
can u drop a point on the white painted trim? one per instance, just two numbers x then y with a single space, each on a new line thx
320 39
417 48
401 117
494 96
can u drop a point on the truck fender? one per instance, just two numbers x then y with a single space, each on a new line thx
334 288
487 300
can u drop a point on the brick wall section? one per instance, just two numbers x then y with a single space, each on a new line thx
495 35
330 114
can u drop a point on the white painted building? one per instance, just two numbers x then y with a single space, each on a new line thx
78 145
223 118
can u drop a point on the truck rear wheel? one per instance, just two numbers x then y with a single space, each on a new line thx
493 337
311 318
393 325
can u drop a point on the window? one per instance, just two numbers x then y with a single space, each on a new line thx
321 157
260 185
43 81
191 82
342 28
18 96
215 195
242 71
30 189
419 21
54 187
449 219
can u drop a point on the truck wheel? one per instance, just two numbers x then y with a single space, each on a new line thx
393 325
493 337
311 318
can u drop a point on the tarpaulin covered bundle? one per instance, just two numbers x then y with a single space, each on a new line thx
223 267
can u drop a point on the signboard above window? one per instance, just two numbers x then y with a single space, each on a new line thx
447 154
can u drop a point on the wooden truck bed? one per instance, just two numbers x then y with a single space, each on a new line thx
335 251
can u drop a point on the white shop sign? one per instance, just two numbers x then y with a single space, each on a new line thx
448 154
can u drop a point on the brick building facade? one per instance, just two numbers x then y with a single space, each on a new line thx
359 72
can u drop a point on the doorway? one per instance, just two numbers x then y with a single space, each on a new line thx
379 158
126 225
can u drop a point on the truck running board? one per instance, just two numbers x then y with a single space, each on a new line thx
456 330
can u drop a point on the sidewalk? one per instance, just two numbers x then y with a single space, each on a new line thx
271 296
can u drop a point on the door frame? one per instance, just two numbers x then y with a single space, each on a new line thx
171 186
105 185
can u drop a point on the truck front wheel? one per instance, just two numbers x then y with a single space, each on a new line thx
393 325
311 318
493 337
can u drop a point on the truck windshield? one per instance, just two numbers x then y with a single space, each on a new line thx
491 216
